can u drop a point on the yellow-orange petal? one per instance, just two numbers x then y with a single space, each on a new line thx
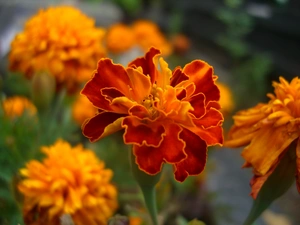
266 147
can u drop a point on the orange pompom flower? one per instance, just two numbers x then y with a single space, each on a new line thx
60 40
168 116
268 130
82 109
226 99
70 181
17 105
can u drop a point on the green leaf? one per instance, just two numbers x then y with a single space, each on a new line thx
275 186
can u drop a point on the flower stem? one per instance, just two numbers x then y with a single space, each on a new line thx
147 184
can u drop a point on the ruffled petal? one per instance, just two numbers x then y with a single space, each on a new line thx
266 147
171 150
201 74
211 118
142 132
147 63
211 135
198 104
196 150
101 125
177 77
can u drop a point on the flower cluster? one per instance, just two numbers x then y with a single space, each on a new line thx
70 181
267 130
168 116
68 47
17 105
142 33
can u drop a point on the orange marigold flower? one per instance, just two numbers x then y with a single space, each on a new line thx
226 99
70 181
120 38
168 116
68 48
149 35
181 44
17 105
267 130
82 109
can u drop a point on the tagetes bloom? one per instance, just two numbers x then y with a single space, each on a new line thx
82 109
168 116
60 40
16 106
226 99
69 181
267 130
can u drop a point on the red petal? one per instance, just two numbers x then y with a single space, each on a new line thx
211 118
139 110
147 63
107 75
177 77
142 132
196 150
150 159
257 182
198 103
201 74
102 125
211 135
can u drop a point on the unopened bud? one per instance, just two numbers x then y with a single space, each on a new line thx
42 89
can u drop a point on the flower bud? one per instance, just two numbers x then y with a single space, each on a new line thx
42 89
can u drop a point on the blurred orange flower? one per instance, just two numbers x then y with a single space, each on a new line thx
15 106
68 48
181 44
70 181
168 116
226 99
82 109
267 130
142 33
120 38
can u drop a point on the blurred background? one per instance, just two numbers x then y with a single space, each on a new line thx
250 43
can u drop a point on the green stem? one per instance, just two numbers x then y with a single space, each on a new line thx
147 184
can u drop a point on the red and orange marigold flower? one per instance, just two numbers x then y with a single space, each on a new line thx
267 130
16 106
69 181
168 116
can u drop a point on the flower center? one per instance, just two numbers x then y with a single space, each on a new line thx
151 102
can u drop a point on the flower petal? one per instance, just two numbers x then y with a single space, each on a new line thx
142 131
197 102
177 77
211 118
147 63
171 150
101 125
196 150
201 73
266 147
211 135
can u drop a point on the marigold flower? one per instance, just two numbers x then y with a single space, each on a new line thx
68 48
226 99
120 38
149 35
82 109
168 116
15 106
267 130
71 180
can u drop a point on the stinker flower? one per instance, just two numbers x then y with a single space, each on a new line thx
268 130
69 181
168 116
60 40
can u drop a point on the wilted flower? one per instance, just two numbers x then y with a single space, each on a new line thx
168 116
15 106
82 109
268 130
60 40
72 181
